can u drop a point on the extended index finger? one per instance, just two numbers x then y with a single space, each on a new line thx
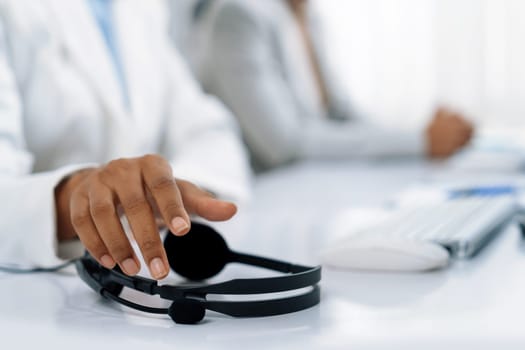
158 177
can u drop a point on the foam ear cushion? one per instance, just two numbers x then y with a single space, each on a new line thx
200 254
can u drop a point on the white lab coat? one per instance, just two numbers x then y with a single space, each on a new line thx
251 54
61 110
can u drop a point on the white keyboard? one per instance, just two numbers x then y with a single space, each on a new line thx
461 225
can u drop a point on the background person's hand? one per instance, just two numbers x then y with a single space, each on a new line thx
447 133
89 201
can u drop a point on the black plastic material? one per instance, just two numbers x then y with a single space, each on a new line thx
190 258
198 255
187 311
271 307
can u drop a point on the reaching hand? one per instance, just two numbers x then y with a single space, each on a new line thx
88 204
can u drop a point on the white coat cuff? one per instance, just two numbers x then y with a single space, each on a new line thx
31 219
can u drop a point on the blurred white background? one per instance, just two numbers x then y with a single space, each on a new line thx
399 58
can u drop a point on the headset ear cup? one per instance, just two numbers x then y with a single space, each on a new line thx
186 311
200 254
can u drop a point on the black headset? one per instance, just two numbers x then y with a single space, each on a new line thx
201 254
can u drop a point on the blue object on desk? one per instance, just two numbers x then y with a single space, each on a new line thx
483 191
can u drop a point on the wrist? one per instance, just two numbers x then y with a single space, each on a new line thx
63 191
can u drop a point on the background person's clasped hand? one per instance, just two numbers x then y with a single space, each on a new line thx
447 133
88 205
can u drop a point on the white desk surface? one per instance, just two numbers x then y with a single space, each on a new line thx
476 304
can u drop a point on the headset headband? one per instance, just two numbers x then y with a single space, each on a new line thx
189 302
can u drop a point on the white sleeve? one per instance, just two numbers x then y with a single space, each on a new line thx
28 221
355 138
27 204
249 78
202 139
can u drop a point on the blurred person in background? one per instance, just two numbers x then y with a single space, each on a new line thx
266 61
98 115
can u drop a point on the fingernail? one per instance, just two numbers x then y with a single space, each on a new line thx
157 268
107 261
130 267
178 225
